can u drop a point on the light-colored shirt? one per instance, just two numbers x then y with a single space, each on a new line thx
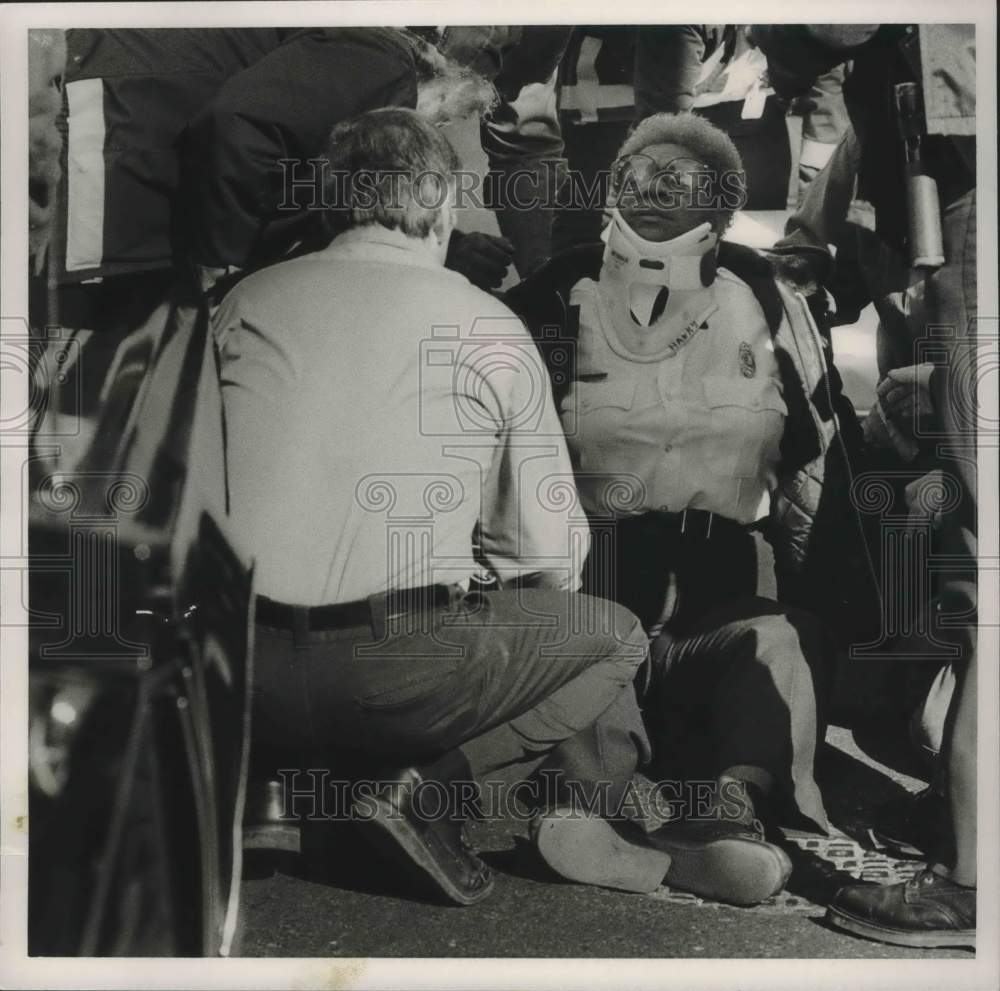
377 407
699 428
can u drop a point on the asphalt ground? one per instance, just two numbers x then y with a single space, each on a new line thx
337 899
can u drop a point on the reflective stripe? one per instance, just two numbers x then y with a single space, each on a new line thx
85 175
588 86
608 97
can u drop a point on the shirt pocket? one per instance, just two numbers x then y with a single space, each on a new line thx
595 409
613 394
746 417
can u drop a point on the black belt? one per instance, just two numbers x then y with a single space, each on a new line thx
694 524
350 614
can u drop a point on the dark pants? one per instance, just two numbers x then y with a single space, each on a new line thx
736 678
514 678
590 150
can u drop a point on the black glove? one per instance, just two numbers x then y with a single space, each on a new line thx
482 258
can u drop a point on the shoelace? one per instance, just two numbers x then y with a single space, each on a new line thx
483 872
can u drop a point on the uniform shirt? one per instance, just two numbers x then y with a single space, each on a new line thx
697 429
377 407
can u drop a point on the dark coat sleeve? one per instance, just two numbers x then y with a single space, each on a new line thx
667 64
282 107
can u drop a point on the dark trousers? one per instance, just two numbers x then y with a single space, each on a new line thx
516 679
590 150
737 680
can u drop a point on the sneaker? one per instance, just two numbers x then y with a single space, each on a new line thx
927 911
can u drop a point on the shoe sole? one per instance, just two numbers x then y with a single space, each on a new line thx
934 939
397 838
733 870
586 849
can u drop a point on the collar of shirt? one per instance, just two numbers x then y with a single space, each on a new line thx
373 242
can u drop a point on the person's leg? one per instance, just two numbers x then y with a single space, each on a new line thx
417 690
960 757
525 149
937 907
590 150
951 298
737 699
754 688
509 675
557 687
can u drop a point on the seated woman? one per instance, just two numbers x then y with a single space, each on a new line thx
689 397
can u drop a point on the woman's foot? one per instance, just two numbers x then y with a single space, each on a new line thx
714 858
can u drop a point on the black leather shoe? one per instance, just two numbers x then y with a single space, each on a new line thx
928 911
411 826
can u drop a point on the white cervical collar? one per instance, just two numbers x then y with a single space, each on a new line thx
641 268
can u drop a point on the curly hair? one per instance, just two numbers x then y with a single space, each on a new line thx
708 143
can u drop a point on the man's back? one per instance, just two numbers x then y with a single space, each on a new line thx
372 398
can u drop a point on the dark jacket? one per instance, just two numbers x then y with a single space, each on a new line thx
823 561
177 134
624 72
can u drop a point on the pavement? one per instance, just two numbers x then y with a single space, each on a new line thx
337 900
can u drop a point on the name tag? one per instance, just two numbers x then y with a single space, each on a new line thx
692 328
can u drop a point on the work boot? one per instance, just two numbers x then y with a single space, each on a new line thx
427 841
722 860
717 858
928 911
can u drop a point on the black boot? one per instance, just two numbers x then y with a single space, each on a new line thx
929 910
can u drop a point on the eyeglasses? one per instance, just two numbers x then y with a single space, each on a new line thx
640 178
